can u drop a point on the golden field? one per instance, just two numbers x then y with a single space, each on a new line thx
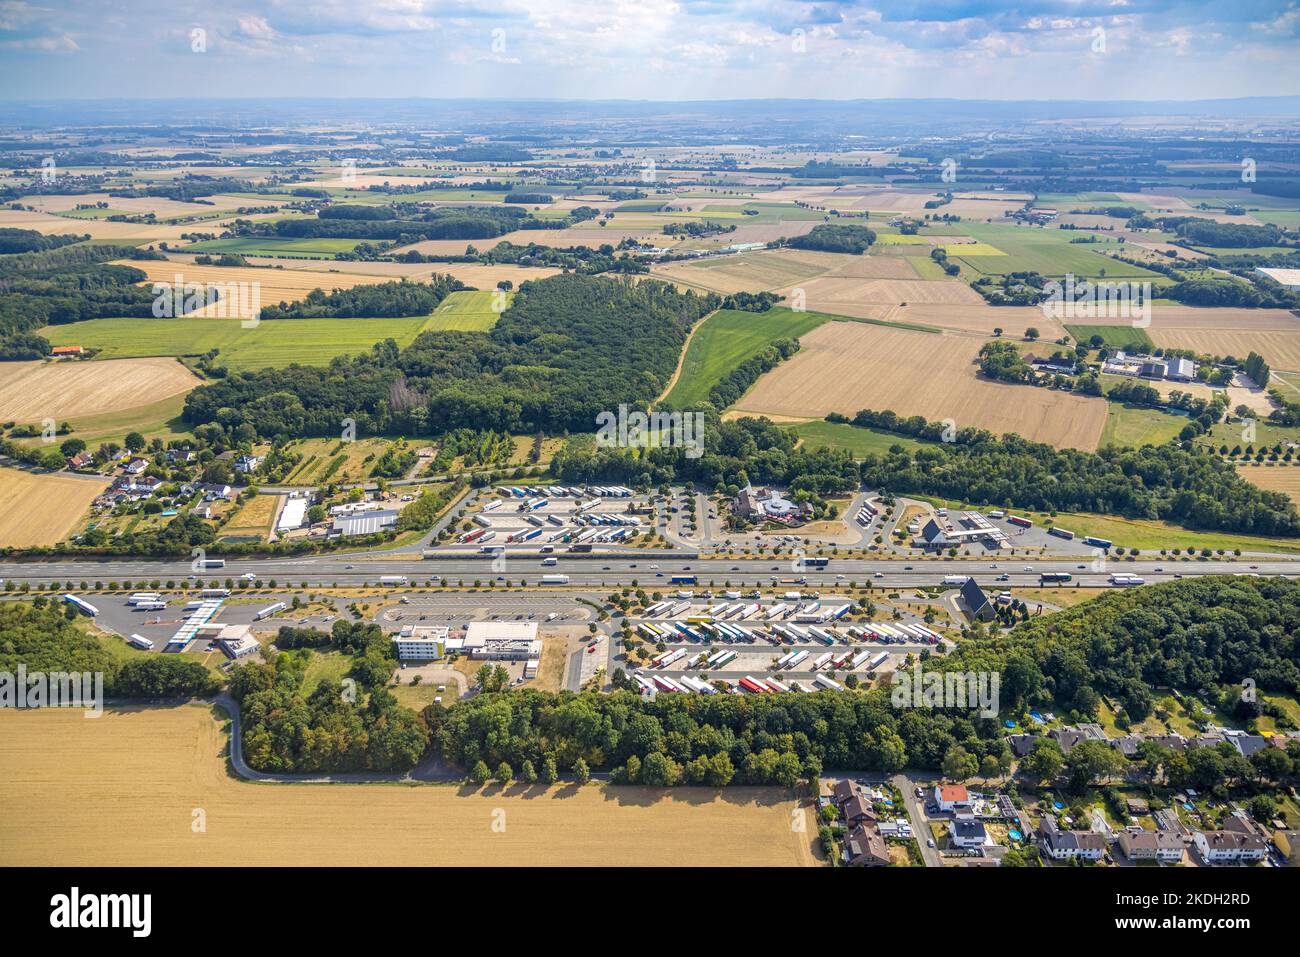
33 391
122 790
1274 478
42 509
846 366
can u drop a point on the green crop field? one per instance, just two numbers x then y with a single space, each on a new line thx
1113 337
1045 251
859 442
728 338
1128 427
270 344
271 246
467 311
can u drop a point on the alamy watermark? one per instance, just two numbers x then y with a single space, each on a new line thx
221 300
637 429
53 689
969 690
1083 299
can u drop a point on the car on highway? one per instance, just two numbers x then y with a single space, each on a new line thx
930 843
1004 577
994 565
1253 567
1080 566
907 568
1159 568
735 568
1029 568
654 566
604 568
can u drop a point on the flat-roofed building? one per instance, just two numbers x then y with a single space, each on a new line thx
421 642
503 640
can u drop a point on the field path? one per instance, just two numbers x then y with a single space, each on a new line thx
681 358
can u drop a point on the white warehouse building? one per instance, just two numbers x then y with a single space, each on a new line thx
503 640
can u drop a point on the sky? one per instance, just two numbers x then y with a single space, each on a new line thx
650 49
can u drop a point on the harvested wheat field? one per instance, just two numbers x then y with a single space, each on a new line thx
274 285
1273 333
1275 478
747 272
33 391
829 293
42 509
845 366
150 768
984 319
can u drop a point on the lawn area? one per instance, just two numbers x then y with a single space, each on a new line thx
859 441
466 311
729 337
1113 337
1130 427
318 248
271 344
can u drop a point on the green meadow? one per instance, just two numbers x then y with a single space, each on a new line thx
467 311
272 246
269 344
726 339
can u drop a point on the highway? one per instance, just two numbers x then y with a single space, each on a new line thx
650 569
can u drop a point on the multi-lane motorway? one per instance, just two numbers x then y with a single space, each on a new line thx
649 569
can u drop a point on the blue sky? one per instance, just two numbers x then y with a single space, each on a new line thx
651 49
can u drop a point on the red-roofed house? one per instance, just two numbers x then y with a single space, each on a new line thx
950 797
66 351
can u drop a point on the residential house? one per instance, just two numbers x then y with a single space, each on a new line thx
857 810
1163 846
966 832
1229 847
135 466
951 797
248 463
1022 744
1067 845
864 847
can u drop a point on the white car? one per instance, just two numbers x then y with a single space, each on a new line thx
249 576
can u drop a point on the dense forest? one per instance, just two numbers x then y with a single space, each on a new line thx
69 284
835 238
1154 482
392 299
43 635
287 728
568 348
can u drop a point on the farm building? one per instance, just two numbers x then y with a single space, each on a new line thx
60 351
420 642
503 640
